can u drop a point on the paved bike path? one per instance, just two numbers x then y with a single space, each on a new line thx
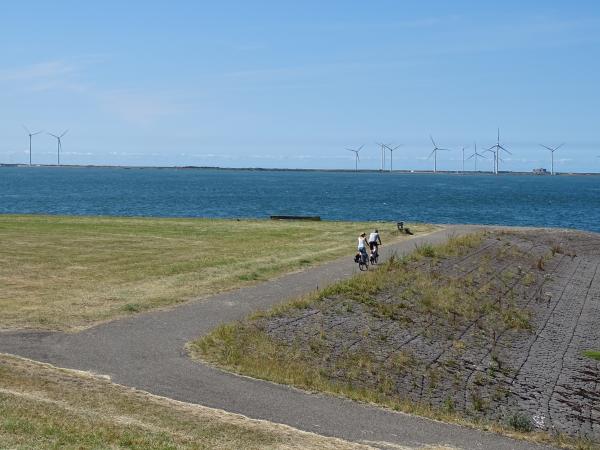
147 352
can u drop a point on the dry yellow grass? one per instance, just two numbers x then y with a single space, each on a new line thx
71 272
45 407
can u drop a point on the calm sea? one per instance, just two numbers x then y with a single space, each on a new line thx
565 201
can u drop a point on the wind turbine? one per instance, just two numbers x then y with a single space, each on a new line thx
475 155
356 154
496 151
392 155
59 144
30 134
552 150
434 153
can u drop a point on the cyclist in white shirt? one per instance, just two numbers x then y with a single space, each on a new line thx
374 240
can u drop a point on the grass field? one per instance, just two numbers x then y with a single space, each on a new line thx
44 407
65 273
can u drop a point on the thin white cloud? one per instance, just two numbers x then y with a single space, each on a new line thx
133 106
390 25
39 71
77 153
43 76
138 107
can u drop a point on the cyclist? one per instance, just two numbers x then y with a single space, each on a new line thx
374 241
362 246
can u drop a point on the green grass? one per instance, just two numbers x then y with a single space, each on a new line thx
71 272
594 354
44 407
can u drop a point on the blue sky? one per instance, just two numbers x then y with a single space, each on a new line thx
291 84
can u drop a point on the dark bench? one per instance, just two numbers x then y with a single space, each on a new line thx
316 218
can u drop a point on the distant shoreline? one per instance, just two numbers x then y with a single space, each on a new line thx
264 169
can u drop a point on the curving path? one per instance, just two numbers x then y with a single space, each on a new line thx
147 352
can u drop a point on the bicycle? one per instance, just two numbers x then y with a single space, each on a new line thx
362 260
374 259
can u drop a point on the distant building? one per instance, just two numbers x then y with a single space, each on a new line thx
540 171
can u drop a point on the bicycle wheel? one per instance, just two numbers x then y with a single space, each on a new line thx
363 264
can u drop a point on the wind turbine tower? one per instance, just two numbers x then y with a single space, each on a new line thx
30 134
495 149
552 150
356 151
59 144
434 153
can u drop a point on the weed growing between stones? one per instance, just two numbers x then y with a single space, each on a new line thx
520 422
593 354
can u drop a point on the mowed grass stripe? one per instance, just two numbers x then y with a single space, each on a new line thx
67 273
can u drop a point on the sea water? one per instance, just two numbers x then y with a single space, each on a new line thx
559 201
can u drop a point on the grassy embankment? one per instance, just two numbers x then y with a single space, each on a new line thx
44 407
71 272
246 347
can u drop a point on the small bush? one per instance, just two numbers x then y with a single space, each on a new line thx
594 354
426 250
449 404
540 263
132 307
479 404
520 422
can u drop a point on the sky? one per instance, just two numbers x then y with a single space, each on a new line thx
292 84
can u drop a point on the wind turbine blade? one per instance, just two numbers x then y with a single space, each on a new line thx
431 154
357 157
502 148
559 146
445 149
360 148
26 129
350 150
545 146
472 156
432 141
37 132
397 146
65 132
57 137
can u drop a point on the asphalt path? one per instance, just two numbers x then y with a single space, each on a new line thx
147 351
